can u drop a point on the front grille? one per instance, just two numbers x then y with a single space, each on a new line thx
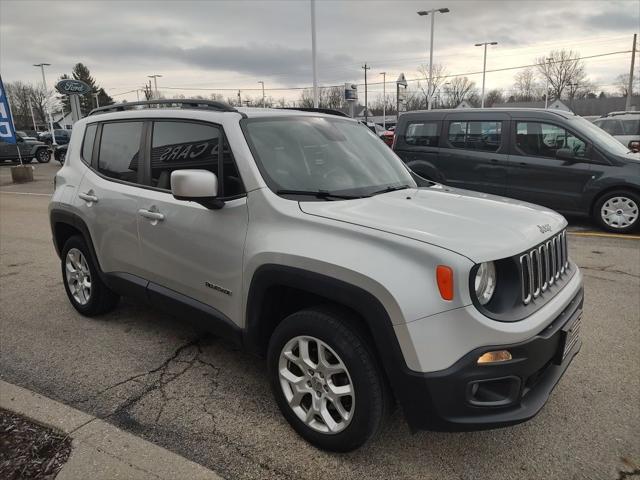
543 266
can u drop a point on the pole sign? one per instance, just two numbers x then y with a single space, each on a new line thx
401 93
7 129
69 86
73 88
350 92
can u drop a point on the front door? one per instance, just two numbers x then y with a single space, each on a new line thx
188 248
536 175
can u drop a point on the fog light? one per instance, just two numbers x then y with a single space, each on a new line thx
495 356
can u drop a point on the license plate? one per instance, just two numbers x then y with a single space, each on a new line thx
571 337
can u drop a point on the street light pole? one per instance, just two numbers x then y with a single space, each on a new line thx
484 66
384 99
313 53
262 83
46 92
155 84
95 95
546 94
433 16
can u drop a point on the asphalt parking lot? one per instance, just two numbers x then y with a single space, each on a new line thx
157 377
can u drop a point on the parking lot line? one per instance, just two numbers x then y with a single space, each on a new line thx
606 235
28 193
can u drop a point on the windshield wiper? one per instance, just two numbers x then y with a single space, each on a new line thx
324 194
391 188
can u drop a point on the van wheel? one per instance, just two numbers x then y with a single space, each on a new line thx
618 211
326 380
86 291
43 155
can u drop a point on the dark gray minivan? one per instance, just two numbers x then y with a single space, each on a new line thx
548 157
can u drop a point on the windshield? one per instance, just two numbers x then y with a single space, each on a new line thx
323 154
599 136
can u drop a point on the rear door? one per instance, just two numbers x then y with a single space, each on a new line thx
473 153
536 175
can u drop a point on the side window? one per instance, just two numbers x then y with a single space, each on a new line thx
544 139
87 142
476 135
120 150
612 127
423 134
180 145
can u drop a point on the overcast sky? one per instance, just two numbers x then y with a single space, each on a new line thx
234 44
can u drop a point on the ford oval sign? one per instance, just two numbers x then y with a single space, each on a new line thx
72 87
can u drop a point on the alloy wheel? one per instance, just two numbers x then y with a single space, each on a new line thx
619 212
316 384
78 276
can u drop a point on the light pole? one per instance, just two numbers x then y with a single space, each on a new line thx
155 83
433 16
95 95
33 119
46 92
484 66
546 94
262 83
384 99
573 88
313 53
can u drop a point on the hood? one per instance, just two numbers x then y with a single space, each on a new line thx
479 226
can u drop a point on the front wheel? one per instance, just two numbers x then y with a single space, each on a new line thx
618 211
43 155
326 380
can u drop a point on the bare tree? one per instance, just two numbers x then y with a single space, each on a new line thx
438 79
525 87
459 89
328 97
494 97
561 68
622 84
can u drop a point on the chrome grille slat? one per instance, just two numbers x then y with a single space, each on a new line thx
542 267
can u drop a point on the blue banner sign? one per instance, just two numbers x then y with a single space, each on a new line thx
7 130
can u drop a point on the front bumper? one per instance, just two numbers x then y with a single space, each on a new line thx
468 396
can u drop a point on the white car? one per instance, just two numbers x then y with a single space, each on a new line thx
624 126
304 238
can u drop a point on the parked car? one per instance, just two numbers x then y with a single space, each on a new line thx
62 137
301 237
623 126
547 157
25 135
60 153
28 148
387 136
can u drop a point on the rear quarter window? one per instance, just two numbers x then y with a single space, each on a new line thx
422 134
87 142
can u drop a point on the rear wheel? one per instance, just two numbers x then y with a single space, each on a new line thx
43 155
618 211
326 380
86 291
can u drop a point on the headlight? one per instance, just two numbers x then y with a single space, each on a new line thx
485 282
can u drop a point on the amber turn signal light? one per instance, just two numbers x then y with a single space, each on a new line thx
495 356
444 276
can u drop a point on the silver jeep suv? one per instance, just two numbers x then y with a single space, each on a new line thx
302 237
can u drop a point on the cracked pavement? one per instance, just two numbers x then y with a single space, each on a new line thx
158 378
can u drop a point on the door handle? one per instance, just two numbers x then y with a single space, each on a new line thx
88 197
151 215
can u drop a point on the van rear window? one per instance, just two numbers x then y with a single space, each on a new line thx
476 135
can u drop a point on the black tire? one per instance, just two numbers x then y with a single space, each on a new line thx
612 227
102 299
372 398
43 155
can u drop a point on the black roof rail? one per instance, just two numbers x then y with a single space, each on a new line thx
181 102
328 111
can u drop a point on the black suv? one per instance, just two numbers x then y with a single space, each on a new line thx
549 157
29 148
62 137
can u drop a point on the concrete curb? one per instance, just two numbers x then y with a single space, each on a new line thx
100 450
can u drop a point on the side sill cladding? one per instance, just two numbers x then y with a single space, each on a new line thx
369 308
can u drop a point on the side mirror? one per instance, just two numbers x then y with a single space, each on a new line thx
565 154
200 186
